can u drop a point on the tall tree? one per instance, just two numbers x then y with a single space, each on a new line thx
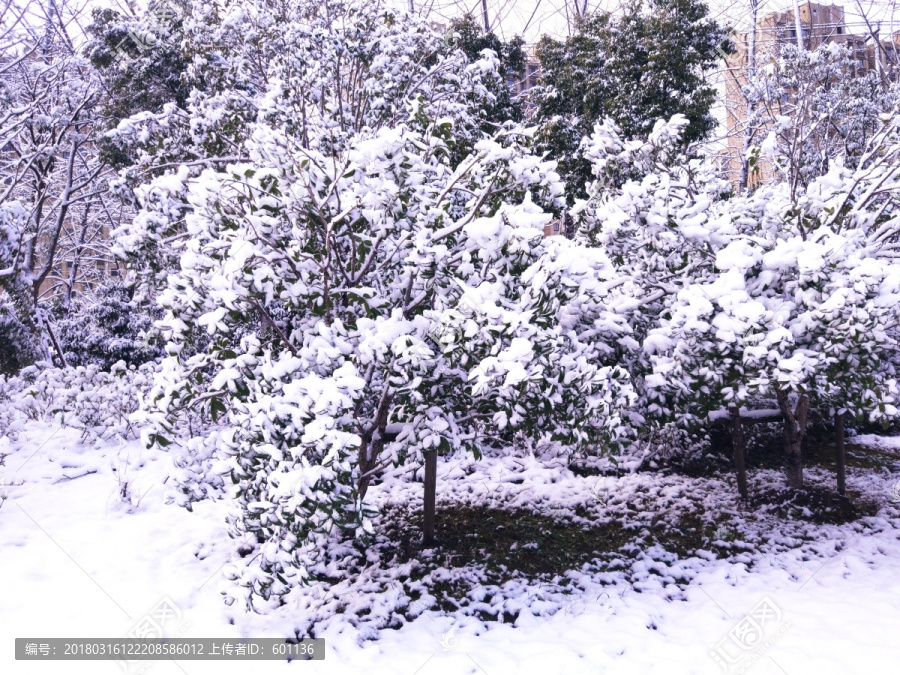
467 35
53 185
645 64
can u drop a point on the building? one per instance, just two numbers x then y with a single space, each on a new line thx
819 24
522 82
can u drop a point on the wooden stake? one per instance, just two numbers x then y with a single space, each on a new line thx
430 485
841 453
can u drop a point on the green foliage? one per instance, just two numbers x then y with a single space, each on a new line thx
141 63
635 68
106 327
18 345
467 35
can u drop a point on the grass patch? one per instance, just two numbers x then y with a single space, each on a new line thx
497 545
503 541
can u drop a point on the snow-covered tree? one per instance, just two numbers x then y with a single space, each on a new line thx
106 326
323 70
808 109
53 202
785 293
655 213
467 34
374 285
644 63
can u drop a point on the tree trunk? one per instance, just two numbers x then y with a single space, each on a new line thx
372 442
793 437
739 447
60 357
430 485
841 453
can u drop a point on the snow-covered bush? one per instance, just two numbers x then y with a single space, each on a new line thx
656 215
17 344
788 293
349 296
374 284
96 401
105 327
20 340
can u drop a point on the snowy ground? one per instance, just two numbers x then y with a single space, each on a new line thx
78 562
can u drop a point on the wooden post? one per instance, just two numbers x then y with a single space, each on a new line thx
738 447
841 453
430 485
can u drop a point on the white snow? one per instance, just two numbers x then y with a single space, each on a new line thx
875 441
78 562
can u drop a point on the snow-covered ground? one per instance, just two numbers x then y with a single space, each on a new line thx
891 443
80 562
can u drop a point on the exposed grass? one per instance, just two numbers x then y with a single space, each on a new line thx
480 548
498 545
504 541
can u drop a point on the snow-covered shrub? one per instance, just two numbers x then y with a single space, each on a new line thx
374 285
787 293
19 339
98 402
105 327
655 213
17 344
378 290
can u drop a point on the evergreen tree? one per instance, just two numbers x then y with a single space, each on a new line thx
468 35
648 63
106 327
141 64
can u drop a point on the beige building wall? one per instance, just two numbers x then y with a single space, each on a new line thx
820 24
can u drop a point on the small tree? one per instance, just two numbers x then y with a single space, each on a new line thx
782 293
468 35
368 296
658 215
801 305
105 326
808 110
